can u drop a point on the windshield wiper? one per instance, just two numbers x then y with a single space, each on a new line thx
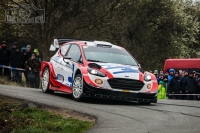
95 60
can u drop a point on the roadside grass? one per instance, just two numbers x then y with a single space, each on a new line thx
5 81
18 117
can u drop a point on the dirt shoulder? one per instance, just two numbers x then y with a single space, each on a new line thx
8 105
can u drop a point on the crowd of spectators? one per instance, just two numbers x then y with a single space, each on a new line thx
15 61
183 85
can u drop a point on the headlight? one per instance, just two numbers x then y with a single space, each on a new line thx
147 77
96 72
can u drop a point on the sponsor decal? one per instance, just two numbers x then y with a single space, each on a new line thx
98 81
124 69
56 58
69 84
125 90
24 13
60 78
70 78
149 86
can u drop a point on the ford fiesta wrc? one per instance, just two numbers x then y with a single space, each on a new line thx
96 69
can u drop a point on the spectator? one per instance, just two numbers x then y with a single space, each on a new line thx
5 59
180 73
23 49
14 45
166 74
27 55
198 85
171 74
161 72
156 74
175 86
183 97
166 84
160 77
161 91
16 61
37 54
190 86
183 74
32 64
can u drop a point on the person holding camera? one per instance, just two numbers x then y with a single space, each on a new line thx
27 54
32 65
160 77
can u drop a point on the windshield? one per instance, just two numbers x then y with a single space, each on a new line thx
108 55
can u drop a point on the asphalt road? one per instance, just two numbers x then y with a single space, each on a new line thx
167 116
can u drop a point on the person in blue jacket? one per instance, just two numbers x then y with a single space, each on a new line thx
171 74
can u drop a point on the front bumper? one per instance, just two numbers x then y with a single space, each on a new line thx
90 91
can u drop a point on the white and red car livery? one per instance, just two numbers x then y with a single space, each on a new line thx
97 69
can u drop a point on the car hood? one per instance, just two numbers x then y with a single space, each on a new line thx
121 71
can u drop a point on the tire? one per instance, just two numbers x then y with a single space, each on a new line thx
45 81
77 88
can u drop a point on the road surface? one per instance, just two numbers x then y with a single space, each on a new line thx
167 116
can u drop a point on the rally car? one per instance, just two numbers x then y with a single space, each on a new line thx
97 69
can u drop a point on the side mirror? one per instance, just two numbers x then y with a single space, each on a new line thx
52 48
67 57
139 66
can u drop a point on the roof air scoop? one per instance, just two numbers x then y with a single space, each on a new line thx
103 44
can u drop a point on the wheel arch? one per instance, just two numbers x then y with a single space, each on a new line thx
49 66
78 71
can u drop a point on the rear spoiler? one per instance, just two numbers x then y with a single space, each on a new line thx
57 42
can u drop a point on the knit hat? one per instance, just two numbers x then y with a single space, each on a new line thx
33 54
36 51
165 77
176 72
28 46
196 73
161 83
191 72
4 42
156 72
14 43
171 70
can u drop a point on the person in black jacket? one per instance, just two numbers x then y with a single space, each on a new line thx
197 78
183 97
16 61
175 86
4 59
14 45
190 86
27 55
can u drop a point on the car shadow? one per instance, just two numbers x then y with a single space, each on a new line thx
91 100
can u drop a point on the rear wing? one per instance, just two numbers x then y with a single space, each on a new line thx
57 42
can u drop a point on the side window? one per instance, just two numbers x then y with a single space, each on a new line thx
63 49
74 53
